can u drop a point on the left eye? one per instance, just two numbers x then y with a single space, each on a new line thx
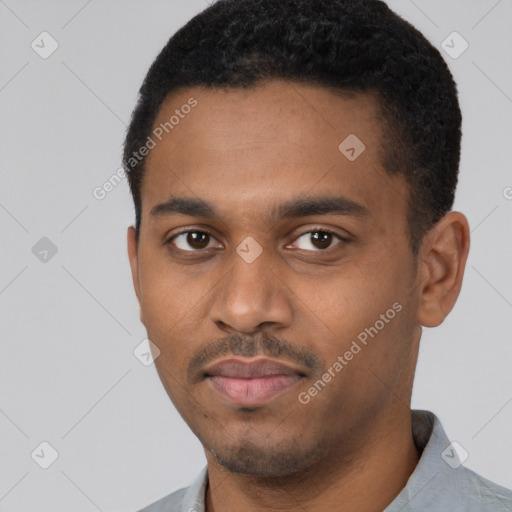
321 238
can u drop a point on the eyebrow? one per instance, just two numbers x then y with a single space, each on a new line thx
297 207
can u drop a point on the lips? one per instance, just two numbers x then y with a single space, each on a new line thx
251 384
236 368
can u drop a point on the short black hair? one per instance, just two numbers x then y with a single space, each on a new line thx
347 45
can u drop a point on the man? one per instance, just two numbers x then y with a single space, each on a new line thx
293 165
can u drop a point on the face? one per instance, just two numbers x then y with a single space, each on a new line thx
280 244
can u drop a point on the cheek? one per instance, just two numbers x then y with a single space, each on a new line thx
349 301
164 297
363 375
167 312
360 317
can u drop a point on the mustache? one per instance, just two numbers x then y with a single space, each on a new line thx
251 346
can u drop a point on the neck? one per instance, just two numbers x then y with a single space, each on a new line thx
366 477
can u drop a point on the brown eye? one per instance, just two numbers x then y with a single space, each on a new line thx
319 240
196 240
322 238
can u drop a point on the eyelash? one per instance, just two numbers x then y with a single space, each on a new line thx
205 231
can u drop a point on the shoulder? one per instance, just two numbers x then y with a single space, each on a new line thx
170 503
487 496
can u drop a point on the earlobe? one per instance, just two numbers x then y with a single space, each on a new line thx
133 256
444 253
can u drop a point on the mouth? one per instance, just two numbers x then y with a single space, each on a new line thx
251 384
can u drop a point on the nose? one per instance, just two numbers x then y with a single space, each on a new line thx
251 295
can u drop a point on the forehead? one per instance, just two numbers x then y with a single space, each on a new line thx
251 148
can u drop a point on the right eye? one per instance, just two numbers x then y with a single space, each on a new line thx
197 239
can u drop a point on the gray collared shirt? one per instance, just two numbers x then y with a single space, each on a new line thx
439 483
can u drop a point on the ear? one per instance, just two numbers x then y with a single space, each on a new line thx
442 261
133 256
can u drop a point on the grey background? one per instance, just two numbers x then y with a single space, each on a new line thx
69 326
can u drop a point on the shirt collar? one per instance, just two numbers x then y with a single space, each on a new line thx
437 478
193 500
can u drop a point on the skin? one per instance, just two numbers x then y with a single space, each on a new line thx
244 151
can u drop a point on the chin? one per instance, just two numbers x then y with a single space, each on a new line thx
279 460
